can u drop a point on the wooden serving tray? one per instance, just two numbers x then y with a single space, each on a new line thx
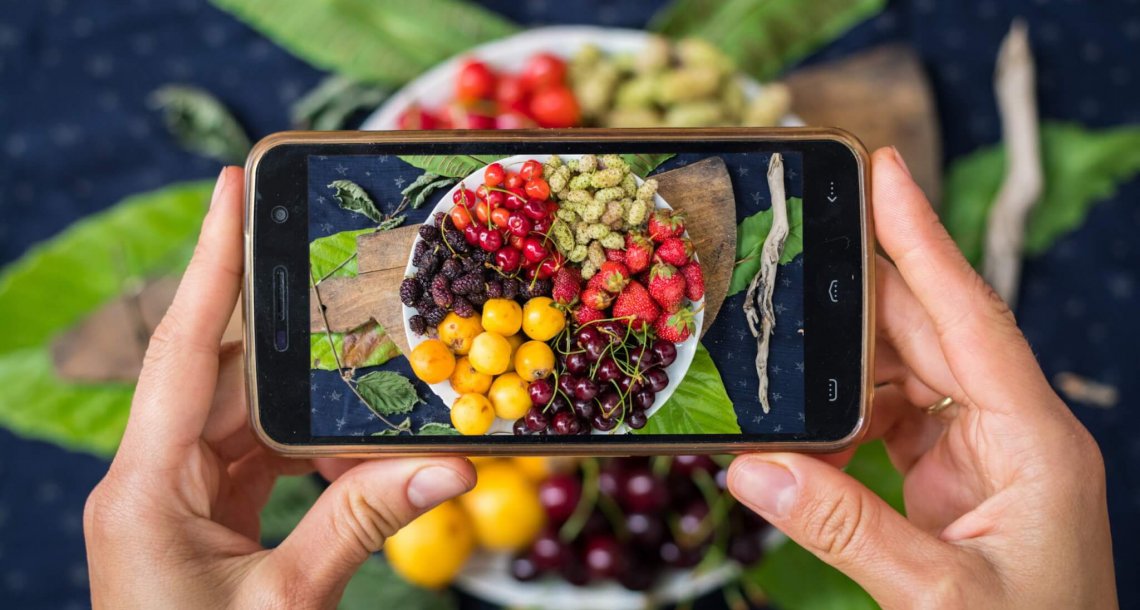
702 190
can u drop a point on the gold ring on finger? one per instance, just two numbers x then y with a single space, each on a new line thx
939 406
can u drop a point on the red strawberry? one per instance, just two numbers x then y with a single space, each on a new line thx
638 252
584 315
667 287
675 327
694 281
614 276
615 255
567 284
596 298
636 306
597 282
664 224
676 251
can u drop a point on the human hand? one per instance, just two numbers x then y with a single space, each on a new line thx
1004 490
175 521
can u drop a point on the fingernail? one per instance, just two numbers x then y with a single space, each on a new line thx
218 186
768 487
902 162
434 484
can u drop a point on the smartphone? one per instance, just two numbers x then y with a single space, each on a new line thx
604 292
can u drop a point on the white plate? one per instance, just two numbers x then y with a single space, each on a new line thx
685 350
435 88
488 576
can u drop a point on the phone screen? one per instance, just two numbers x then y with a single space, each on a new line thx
556 294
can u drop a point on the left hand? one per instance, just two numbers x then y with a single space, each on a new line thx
175 522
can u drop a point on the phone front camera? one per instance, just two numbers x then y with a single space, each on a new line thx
279 214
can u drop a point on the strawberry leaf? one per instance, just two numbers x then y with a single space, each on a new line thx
387 393
437 429
353 198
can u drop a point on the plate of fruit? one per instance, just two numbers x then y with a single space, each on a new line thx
565 290
583 76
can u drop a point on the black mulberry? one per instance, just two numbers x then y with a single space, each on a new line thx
410 291
468 284
494 289
463 307
510 288
435 316
441 292
451 268
418 324
429 233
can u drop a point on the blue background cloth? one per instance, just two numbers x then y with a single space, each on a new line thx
337 412
76 136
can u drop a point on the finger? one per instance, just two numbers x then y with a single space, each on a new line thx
227 429
177 382
840 521
890 413
908 432
332 468
354 516
246 488
909 333
983 346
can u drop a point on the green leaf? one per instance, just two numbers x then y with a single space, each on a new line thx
437 429
387 393
37 404
384 41
762 38
354 199
290 499
201 124
1082 166
642 164
750 235
699 405
402 427
376 585
333 101
59 282
454 166
421 188
793 578
392 223
334 255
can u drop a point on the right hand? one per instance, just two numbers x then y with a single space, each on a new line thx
1005 490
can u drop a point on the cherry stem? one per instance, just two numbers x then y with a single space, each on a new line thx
586 502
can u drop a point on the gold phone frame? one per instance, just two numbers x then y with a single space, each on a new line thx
616 136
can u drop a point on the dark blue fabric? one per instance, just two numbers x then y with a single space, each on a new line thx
76 136
337 412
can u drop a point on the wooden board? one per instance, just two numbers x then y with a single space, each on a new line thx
883 97
109 345
385 250
703 190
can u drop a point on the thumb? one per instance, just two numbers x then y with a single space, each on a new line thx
842 522
352 519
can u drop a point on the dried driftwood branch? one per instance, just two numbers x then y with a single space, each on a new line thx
759 295
1088 391
1014 83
